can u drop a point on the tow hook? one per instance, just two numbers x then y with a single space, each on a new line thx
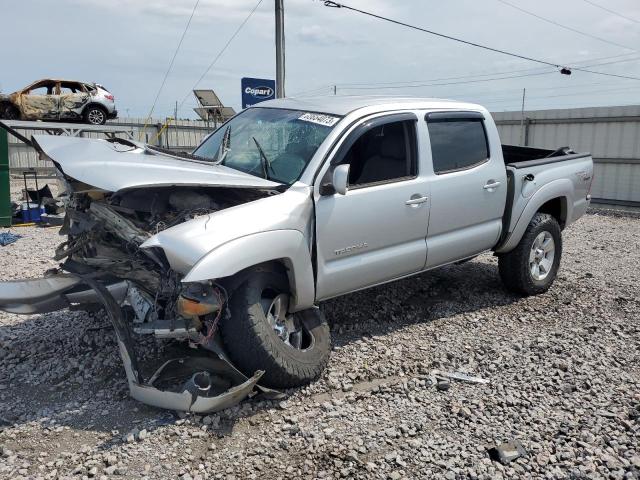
529 177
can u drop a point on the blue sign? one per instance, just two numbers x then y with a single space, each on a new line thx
256 90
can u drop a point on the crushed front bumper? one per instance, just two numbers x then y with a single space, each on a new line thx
193 383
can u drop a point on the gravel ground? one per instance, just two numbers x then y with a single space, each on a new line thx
563 367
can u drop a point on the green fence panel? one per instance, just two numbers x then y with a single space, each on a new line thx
5 196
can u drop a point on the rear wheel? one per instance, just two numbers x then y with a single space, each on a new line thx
532 266
260 333
95 115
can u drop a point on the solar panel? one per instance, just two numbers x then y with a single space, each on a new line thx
207 98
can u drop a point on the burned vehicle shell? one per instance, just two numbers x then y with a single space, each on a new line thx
59 100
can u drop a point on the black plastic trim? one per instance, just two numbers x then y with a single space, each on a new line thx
546 161
434 117
365 127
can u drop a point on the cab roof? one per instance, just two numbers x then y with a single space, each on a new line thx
345 104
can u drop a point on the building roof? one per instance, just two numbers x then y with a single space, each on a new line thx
343 104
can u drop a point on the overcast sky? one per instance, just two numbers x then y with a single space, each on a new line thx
127 45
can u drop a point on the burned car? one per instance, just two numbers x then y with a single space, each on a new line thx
60 100
231 247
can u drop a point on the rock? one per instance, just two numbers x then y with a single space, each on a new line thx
443 385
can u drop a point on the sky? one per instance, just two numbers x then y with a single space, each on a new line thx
127 46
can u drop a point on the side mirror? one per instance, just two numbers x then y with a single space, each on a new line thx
335 180
340 180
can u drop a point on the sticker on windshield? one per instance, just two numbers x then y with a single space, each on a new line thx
320 119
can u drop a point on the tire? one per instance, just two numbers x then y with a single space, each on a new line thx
95 115
518 267
253 344
9 112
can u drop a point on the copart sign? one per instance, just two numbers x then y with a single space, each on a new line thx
256 90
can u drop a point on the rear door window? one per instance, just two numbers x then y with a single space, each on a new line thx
457 143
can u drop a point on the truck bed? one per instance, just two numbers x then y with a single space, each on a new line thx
524 157
532 169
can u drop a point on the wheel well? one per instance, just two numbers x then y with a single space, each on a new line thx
7 104
280 266
88 106
557 208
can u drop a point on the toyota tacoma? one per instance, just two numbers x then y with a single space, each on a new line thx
231 247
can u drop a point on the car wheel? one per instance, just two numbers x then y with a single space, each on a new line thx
260 334
532 266
10 112
95 115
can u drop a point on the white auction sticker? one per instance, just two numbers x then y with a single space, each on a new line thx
320 119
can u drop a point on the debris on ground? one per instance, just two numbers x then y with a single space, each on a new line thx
461 377
65 398
7 238
507 452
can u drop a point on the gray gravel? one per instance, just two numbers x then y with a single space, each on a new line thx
563 367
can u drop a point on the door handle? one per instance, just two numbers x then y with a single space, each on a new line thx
491 185
416 201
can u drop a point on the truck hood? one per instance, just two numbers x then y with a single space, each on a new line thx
114 166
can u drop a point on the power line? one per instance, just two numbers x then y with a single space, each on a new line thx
592 92
618 14
330 3
217 57
462 82
175 54
410 83
354 86
571 29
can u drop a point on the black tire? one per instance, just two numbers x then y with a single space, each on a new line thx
95 115
9 112
253 344
514 266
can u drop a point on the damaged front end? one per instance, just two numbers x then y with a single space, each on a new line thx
101 263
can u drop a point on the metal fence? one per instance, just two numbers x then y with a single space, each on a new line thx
180 135
611 134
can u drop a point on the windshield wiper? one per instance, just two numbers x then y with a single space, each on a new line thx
264 161
225 146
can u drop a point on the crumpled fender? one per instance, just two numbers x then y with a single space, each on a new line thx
289 246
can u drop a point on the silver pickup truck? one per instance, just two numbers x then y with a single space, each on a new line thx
290 203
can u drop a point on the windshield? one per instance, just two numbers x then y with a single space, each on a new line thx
271 143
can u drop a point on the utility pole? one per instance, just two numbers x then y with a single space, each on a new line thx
524 92
335 89
279 49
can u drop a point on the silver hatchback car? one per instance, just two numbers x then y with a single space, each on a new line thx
66 100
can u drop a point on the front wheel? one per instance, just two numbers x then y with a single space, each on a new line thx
9 112
260 333
532 266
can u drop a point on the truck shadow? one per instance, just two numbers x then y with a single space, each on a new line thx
62 370
441 293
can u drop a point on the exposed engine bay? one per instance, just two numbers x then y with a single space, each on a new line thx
104 232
